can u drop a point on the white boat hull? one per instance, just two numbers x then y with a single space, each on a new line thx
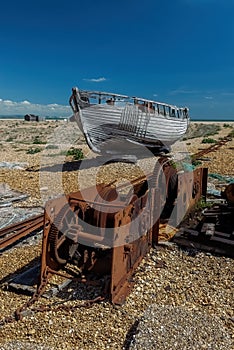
104 124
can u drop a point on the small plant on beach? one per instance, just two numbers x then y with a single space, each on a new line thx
38 141
10 139
76 153
33 150
225 125
196 162
202 204
209 140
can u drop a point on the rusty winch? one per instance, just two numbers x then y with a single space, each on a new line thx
107 229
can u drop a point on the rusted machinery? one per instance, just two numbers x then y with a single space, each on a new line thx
106 230
228 194
214 232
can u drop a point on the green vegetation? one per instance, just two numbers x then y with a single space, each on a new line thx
33 150
10 139
76 153
38 141
202 204
196 162
209 140
227 125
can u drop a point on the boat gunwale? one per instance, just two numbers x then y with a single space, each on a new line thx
99 94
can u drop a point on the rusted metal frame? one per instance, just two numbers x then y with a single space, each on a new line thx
191 187
14 232
74 199
155 215
121 285
73 278
120 280
126 258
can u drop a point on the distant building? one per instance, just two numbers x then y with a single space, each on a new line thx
33 118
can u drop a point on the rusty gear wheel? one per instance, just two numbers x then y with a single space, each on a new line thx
63 235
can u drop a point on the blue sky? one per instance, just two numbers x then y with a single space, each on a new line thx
177 51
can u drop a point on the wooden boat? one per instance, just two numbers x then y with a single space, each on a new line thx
109 120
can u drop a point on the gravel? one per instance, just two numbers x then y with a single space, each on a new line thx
188 289
168 327
20 345
186 297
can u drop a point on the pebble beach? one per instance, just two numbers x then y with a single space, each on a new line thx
181 299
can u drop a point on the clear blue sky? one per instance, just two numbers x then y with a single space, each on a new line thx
175 51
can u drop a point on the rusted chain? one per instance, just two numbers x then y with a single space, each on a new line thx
86 304
18 312
38 293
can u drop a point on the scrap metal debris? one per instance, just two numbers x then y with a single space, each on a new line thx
9 196
215 231
11 234
13 165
